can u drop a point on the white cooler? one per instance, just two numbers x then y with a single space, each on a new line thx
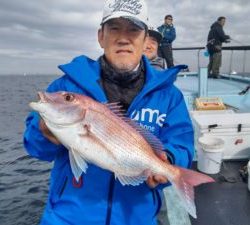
232 128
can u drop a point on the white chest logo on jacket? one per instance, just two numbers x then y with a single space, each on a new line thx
149 115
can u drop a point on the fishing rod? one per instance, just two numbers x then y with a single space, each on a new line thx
243 92
239 42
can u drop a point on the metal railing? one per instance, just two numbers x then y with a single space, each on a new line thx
244 48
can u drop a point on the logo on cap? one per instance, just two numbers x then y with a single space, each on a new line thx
131 6
133 10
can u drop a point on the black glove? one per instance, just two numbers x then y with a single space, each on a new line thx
228 38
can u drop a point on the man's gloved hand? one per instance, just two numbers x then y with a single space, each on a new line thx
228 39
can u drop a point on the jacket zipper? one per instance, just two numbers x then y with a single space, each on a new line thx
110 199
63 187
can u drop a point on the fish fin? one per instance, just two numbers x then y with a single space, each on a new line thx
193 177
134 181
117 109
77 163
184 184
154 142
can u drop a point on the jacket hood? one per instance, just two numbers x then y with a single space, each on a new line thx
86 72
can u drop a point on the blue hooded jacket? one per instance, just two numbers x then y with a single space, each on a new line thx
168 33
98 198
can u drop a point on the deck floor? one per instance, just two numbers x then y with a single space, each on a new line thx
189 85
222 202
228 90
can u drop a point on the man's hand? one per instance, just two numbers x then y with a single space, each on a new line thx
46 132
228 39
155 180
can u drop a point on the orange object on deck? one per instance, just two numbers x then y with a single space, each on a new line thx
209 103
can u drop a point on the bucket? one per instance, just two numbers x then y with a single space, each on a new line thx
210 154
248 170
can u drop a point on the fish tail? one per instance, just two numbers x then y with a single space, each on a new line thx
184 183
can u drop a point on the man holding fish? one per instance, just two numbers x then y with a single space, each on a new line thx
109 169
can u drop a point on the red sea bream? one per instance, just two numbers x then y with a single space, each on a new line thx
100 134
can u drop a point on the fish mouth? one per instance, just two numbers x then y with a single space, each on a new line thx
43 98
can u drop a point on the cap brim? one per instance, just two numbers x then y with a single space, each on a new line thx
137 22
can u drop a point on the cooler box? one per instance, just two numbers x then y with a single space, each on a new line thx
233 128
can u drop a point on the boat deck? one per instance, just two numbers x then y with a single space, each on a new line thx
228 90
225 202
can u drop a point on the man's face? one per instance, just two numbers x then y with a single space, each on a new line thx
222 22
168 20
151 48
123 43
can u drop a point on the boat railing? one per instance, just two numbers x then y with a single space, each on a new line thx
230 71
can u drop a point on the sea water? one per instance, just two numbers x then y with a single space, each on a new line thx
23 180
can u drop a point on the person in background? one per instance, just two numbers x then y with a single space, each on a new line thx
122 74
151 49
169 34
216 37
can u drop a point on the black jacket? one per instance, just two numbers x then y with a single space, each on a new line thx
215 38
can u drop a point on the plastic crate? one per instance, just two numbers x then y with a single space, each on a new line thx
209 104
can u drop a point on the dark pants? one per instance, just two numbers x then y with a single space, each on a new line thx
165 51
214 65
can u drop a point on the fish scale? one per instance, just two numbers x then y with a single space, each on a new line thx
124 154
116 127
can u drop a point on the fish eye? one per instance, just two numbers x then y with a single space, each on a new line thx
69 97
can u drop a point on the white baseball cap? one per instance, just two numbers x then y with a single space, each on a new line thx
135 11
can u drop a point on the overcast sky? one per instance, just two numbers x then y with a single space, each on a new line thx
36 36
